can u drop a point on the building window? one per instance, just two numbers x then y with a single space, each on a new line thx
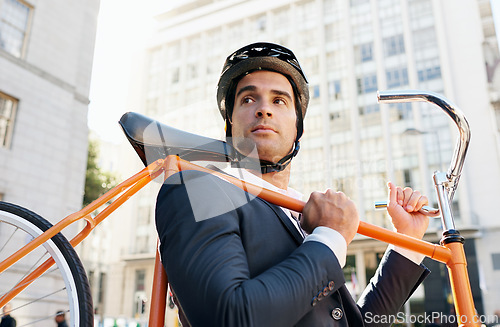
142 244
152 106
397 77
430 73
140 299
369 109
175 75
496 261
307 12
355 3
402 110
260 23
155 61
367 84
90 277
366 52
140 277
15 16
192 71
334 89
334 116
394 45
315 91
102 287
407 178
8 107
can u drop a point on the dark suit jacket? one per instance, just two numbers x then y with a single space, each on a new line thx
236 260
8 321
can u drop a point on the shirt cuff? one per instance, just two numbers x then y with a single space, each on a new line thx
331 238
409 254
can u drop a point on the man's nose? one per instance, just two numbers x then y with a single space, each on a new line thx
264 110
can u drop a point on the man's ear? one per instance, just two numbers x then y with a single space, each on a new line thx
226 122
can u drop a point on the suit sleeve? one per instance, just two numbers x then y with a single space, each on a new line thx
205 260
394 282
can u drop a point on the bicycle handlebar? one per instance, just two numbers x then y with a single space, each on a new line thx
462 143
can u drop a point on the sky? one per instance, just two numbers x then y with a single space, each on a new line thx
123 28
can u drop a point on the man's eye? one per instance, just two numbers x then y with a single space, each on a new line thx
280 101
247 100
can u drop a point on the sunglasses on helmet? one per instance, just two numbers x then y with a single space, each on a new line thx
263 50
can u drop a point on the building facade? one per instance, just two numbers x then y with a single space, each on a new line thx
46 54
349 50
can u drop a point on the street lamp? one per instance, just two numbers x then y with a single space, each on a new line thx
414 131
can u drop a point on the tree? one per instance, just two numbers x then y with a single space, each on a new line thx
97 181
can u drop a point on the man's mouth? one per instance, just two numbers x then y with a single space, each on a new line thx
263 128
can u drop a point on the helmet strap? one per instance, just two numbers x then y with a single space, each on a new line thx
269 167
266 166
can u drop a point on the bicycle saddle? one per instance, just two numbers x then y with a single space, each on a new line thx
153 140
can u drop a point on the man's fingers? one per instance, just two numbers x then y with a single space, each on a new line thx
407 193
412 201
400 196
422 201
393 193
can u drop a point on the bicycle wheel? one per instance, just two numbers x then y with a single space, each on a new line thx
64 287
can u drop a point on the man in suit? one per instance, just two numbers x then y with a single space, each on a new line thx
237 260
7 319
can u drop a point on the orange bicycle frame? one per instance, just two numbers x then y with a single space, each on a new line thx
452 254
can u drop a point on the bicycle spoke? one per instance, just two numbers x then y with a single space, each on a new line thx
10 237
32 268
41 319
39 298
19 284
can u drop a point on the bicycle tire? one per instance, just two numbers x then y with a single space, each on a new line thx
41 300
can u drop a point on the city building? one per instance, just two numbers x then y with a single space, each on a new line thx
46 55
349 50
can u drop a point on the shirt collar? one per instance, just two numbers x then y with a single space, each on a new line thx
247 176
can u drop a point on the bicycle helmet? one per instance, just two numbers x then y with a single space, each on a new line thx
263 56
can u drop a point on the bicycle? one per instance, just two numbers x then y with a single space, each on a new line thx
162 157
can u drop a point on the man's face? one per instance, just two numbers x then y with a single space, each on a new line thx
264 115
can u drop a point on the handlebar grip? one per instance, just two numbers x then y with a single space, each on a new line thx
426 210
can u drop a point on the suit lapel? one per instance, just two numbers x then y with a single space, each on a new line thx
290 227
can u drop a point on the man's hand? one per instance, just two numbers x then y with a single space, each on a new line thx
403 207
331 209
